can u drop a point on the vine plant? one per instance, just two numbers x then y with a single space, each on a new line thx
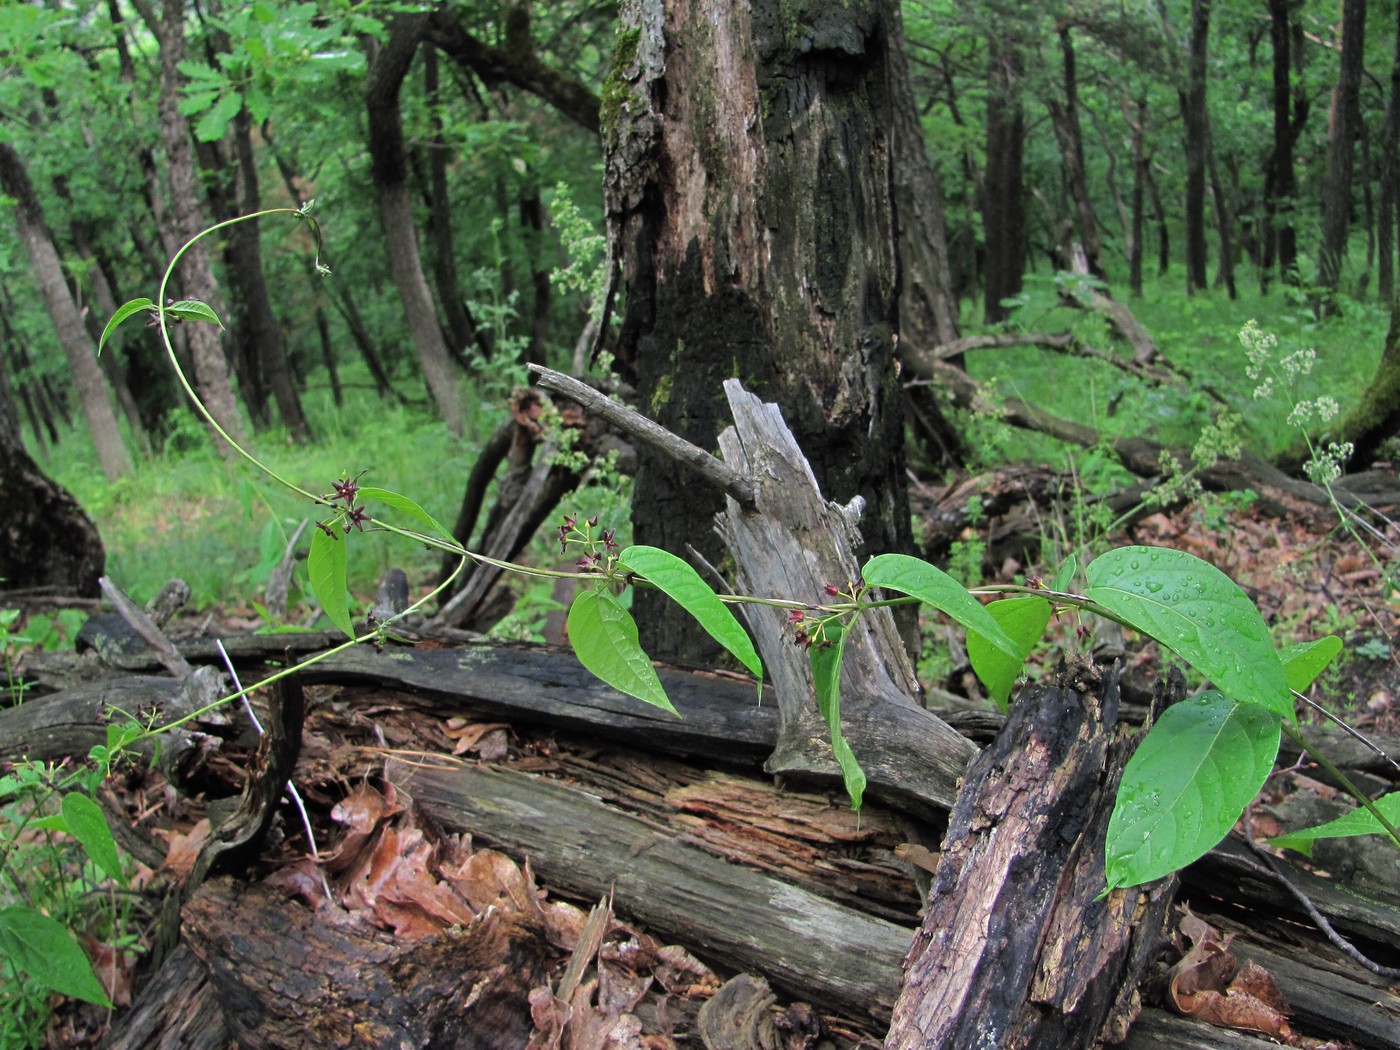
1190 779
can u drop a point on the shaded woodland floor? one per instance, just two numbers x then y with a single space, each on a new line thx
394 873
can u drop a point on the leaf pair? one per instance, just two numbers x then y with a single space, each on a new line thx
604 635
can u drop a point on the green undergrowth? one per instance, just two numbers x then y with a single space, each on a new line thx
187 513
1197 335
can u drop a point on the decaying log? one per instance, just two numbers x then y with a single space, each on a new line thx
287 976
1015 949
729 914
179 1008
792 544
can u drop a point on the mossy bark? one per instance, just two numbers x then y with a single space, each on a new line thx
751 211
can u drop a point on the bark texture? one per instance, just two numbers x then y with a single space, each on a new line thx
387 70
1341 149
46 540
88 380
1015 949
750 206
196 273
1196 122
1003 189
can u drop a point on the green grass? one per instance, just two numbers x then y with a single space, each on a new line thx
1198 335
189 514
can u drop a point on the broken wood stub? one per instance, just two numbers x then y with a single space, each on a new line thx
791 544
1015 950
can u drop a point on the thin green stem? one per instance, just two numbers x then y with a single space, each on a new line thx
1342 779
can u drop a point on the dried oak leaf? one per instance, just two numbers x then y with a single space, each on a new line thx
183 848
1211 985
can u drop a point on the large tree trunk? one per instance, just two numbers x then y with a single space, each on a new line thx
1341 149
46 540
1290 105
749 197
1377 417
88 380
1196 121
387 70
1003 198
211 373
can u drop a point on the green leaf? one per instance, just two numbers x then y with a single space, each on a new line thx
1197 612
43 948
1360 821
123 312
1023 620
1302 663
604 637
88 824
899 572
408 506
213 124
325 567
1065 576
1186 785
679 581
193 310
826 674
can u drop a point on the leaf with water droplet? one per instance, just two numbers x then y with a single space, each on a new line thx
1187 784
1209 621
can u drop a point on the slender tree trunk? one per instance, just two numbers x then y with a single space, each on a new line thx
1003 193
449 288
388 67
748 180
1368 209
1140 175
1196 121
1064 118
93 393
1388 220
1224 221
196 274
1290 108
1159 218
253 312
1341 150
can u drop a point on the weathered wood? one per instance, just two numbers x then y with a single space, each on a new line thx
791 545
739 918
1016 949
179 1008
287 976
1329 1001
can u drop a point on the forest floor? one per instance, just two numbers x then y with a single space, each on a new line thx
379 862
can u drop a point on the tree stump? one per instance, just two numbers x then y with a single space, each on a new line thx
1016 948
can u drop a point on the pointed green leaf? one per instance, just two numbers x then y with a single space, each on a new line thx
88 824
604 637
919 579
43 948
325 568
408 506
826 675
1197 612
1360 821
214 123
1302 663
1023 620
1065 576
193 310
1187 784
679 581
123 312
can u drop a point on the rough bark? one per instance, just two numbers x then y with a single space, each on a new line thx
196 274
1016 949
1376 418
388 67
449 288
1195 119
46 540
1388 217
1003 195
750 206
1342 129
93 393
